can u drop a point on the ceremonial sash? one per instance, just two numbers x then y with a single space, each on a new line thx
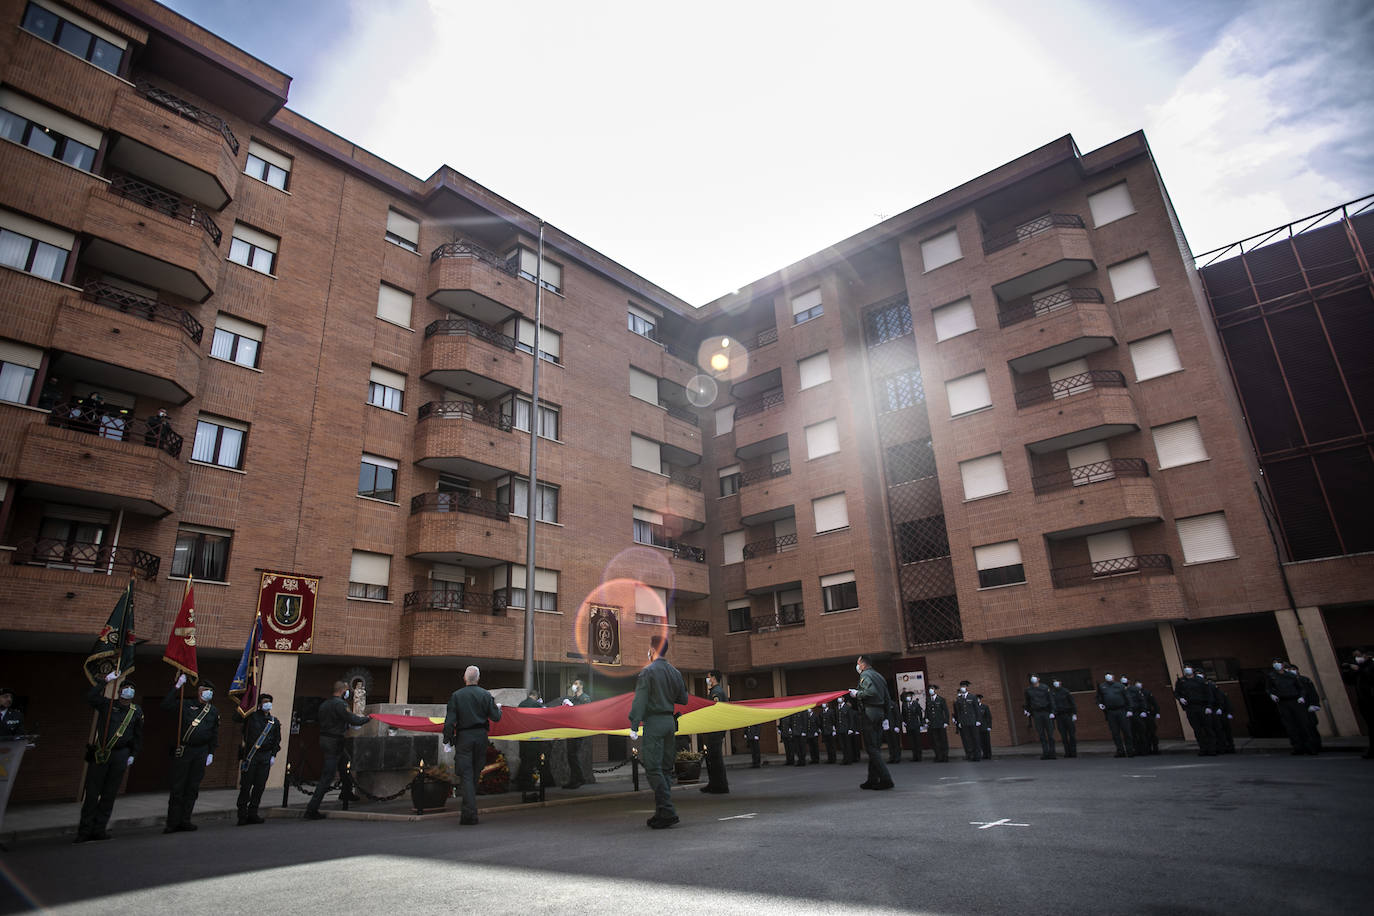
102 754
191 729
257 745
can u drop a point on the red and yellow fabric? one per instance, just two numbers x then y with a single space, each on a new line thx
612 717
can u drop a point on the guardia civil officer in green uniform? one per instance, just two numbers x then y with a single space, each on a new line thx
658 689
872 692
261 741
716 781
197 738
118 738
471 710
335 718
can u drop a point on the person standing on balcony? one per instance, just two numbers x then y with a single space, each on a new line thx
716 781
575 697
659 689
159 429
872 692
1065 717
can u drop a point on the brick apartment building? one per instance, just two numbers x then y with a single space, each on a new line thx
994 435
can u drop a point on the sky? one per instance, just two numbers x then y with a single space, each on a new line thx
706 145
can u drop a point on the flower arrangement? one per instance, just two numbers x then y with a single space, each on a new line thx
495 776
435 771
687 756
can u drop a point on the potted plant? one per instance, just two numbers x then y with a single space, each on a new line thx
430 786
687 766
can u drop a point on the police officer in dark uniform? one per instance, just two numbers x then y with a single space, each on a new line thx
1313 703
984 728
1152 721
785 739
854 730
813 733
716 781
11 719
913 723
1135 713
801 728
1286 691
1222 716
1195 697
1111 699
966 719
1039 707
828 720
842 729
872 692
894 731
937 722
1360 672
659 688
534 755
197 738
1065 717
334 717
751 738
261 741
118 739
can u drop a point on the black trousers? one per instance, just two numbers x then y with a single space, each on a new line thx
856 741
939 742
1044 730
187 772
1367 712
755 755
1226 741
470 755
1152 735
335 763
894 746
1120 727
102 785
252 781
829 748
968 734
1141 741
915 744
873 746
985 742
799 750
575 775
1202 728
813 746
789 748
1068 733
1298 723
715 761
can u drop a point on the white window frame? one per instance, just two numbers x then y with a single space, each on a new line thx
1179 443
1110 204
828 510
386 389
253 249
219 425
402 231
939 250
822 438
1132 277
969 393
983 477
267 165
813 370
369 576
1205 538
1155 356
954 319
394 305
807 305
235 331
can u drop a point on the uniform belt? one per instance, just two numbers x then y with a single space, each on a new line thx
468 728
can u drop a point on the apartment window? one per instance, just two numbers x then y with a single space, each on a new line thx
386 389
18 366
377 478
236 341
648 527
76 34
733 543
545 588
790 610
814 370
1110 204
643 323
267 165
526 262
739 617
550 342
900 390
954 319
202 553
1131 278
1155 356
888 323
999 564
394 305
1205 538
47 132
910 461
968 393
830 512
646 454
253 249
822 439
219 441
369 576
984 476
725 419
1179 443
941 250
402 230
729 480
807 306
643 386
839 592
514 492
1112 553
34 247
517 410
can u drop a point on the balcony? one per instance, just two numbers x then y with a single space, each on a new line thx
677 493
766 492
760 473
477 283
160 242
194 163
459 502
469 356
655 535
461 528
167 203
757 340
1088 573
759 404
55 553
184 109
130 303
430 626
787 617
1037 254
459 601
1086 474
69 587
769 547
1068 387
1044 306
471 440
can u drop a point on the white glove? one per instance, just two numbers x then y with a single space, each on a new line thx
271 760
1027 712
1207 712
448 749
1102 707
130 763
925 728
977 724
1129 714
853 691
1302 701
885 725
1274 698
567 702
904 729
111 676
1075 717
1156 716
209 759
634 733
1182 702
1051 715
498 704
1228 715
1310 709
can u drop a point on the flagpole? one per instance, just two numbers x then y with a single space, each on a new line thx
532 494
119 655
181 688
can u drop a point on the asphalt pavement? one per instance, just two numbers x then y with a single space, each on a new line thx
1254 833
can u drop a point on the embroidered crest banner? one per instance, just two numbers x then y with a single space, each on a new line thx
603 644
286 609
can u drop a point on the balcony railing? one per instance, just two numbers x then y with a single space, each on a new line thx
686 415
58 553
764 472
682 478
459 502
683 352
1038 308
1074 384
687 627
1146 563
759 404
188 111
657 536
1090 473
464 410
760 339
114 297
460 601
793 616
166 203
1030 229
769 547
471 328
465 249
98 419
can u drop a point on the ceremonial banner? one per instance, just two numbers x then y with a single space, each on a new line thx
244 686
286 607
603 643
114 647
181 642
912 682
612 717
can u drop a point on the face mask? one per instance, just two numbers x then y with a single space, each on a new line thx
1034 681
1109 679
1278 666
267 707
127 693
932 693
1187 672
858 670
1360 659
1138 684
1056 683
206 696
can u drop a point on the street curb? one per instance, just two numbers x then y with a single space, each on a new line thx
116 826
446 814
